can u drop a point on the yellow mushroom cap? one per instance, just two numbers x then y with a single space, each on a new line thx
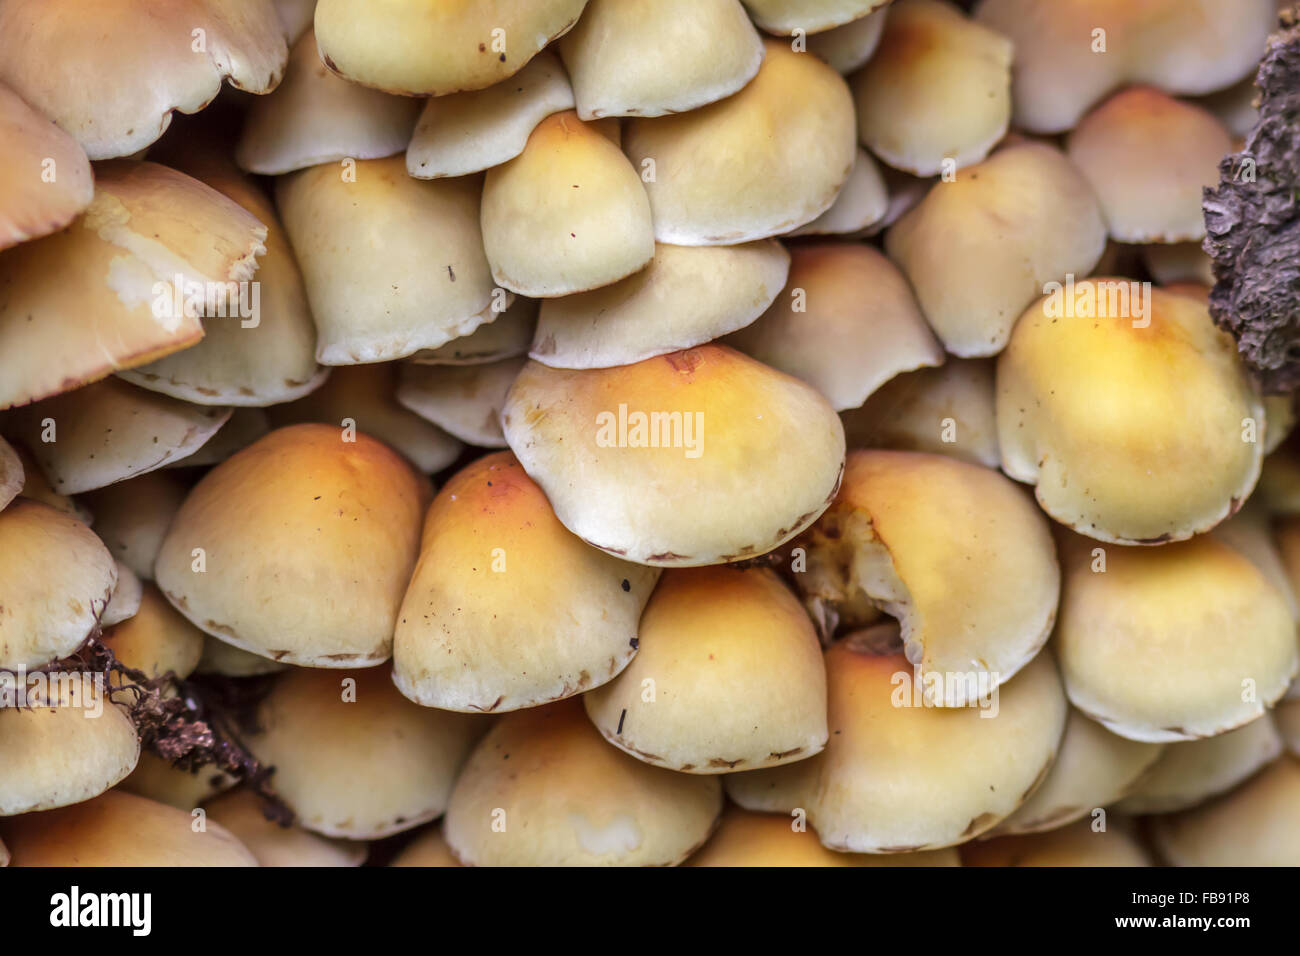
55 579
307 541
120 829
978 249
506 608
808 16
158 639
686 296
1129 411
1148 156
845 323
124 603
240 812
418 47
544 789
955 551
12 476
695 457
728 675
744 838
132 517
1074 845
937 93
465 400
1172 643
794 125
428 849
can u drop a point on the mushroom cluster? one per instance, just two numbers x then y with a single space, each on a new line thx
637 432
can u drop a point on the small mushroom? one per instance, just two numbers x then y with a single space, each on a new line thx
862 203
159 780
503 336
132 517
847 47
157 640
464 400
242 428
240 812
229 661
125 601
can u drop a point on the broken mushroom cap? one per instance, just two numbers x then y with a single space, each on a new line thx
125 601
418 281
506 608
1148 156
464 400
786 17
12 476
45 178
937 94
687 296
978 249
428 849
503 336
744 838
1129 410
566 215
794 125
696 457
544 789
145 61
240 812
1075 845
332 735
953 550
728 675
157 640
1151 641
861 203
653 57
315 117
132 517
55 579
298 548
121 829
469 132
419 48
845 323
846 48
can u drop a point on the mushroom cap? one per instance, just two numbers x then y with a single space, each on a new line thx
744 838
229 661
110 431
159 780
428 849
240 812
124 603
686 296
936 92
1254 825
979 249
1074 845
37 487
1078 363
473 131
132 517
242 428
308 540
112 74
785 17
1148 156
544 789
55 579
418 280
566 215
121 829
845 323
621 454
31 204
418 48
953 550
1192 771
1172 643
157 640
794 125
504 335
847 47
654 57
506 608
331 735
736 671
465 400
316 117
70 744
862 202
367 394
12 476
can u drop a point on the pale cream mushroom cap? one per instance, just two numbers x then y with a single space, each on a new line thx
783 789
157 779
862 202
507 335
1135 430
37 487
507 609
353 757
112 74
307 541
784 17
736 671
1070 846
687 296
392 264
428 849
793 123
157 640
846 323
846 48
1178 642
654 57
229 661
464 400
120 829
937 93
45 178
316 117
242 428
55 579
240 812
12 476
127 595
132 517
958 553
567 798
1147 157
763 465
1252 532
434 48
979 249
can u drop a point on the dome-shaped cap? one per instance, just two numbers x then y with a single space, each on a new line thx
124 603
808 16
846 48
1075 845
132 516
464 400
240 812
861 204
157 640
